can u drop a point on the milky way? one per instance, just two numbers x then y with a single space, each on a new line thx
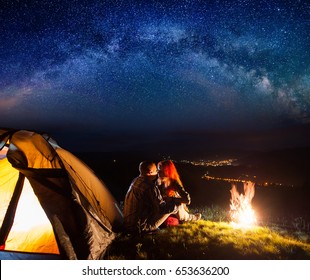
119 66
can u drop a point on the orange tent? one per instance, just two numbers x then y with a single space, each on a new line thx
51 203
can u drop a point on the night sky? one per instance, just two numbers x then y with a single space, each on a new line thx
117 75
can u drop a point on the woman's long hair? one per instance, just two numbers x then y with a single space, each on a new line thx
169 170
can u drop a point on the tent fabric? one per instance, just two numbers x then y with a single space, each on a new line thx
79 215
13 255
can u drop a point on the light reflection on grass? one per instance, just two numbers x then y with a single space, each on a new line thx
206 239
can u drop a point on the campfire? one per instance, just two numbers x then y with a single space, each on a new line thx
241 211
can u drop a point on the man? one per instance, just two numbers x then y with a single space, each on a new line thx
144 208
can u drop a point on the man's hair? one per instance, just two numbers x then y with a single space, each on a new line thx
145 167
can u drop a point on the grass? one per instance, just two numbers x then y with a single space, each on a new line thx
207 239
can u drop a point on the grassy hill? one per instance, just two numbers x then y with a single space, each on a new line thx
211 240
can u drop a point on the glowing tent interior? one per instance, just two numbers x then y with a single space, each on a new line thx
52 205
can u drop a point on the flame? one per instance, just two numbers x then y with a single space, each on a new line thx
241 211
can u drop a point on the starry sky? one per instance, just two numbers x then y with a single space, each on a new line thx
125 74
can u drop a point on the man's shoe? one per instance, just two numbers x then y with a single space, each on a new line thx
195 217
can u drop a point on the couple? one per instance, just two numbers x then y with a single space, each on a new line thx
153 196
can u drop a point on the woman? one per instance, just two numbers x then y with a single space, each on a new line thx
171 188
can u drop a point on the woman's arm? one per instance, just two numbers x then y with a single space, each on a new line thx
184 196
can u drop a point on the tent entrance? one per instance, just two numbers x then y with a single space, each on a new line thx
31 230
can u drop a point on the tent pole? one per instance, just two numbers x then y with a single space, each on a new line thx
11 210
